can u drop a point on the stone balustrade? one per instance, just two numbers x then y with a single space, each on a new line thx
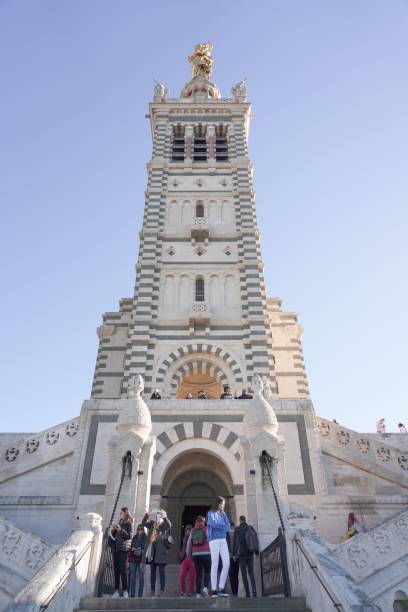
43 442
367 553
316 575
364 446
21 555
68 574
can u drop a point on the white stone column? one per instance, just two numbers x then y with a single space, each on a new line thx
133 431
260 426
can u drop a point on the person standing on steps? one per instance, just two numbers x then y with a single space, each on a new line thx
244 547
218 527
187 567
233 572
199 549
119 542
137 560
158 545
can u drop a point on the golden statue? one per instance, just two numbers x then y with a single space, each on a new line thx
201 60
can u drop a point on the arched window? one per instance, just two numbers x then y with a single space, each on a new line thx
199 290
200 209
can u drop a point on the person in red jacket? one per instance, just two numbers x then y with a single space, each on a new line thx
199 550
187 567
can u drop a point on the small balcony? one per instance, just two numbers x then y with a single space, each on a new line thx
199 317
200 230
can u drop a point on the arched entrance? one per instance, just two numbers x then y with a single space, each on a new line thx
189 487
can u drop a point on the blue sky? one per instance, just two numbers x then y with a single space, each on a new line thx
329 140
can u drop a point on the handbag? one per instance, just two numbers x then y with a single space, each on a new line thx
168 541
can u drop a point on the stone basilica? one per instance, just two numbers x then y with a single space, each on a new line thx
200 319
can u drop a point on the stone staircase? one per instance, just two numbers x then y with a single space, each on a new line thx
168 604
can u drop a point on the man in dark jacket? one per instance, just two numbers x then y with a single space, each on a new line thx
245 556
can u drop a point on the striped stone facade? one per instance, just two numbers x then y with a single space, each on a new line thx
154 333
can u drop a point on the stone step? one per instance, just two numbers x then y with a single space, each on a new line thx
169 604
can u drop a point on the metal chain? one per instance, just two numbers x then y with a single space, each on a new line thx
126 459
266 459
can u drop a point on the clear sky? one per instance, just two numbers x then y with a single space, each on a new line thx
328 83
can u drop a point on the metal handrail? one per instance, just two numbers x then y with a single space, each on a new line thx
314 568
64 579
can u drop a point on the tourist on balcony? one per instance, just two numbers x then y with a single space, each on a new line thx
245 395
199 549
202 394
159 542
137 560
156 395
218 527
120 538
402 428
227 393
189 396
187 567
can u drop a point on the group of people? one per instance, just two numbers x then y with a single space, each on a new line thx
207 557
201 395
381 427
149 544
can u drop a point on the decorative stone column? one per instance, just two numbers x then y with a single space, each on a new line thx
133 429
188 146
260 426
211 144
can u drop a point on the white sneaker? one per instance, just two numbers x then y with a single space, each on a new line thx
115 594
198 596
125 594
205 592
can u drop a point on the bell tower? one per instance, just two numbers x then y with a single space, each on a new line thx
199 317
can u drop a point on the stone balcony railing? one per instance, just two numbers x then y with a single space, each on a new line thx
199 230
199 317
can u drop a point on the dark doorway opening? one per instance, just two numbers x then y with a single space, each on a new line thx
190 514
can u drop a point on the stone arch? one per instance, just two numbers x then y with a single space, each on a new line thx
186 479
177 440
200 351
199 366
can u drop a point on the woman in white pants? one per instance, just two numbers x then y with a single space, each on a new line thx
218 526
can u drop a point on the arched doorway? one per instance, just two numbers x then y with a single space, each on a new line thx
189 487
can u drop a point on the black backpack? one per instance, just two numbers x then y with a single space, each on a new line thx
251 540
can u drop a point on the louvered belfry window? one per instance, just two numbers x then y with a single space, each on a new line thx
177 154
200 143
221 143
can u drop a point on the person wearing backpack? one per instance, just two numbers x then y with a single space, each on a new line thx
244 547
199 549
187 567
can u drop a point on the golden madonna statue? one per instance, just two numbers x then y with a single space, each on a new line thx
201 60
